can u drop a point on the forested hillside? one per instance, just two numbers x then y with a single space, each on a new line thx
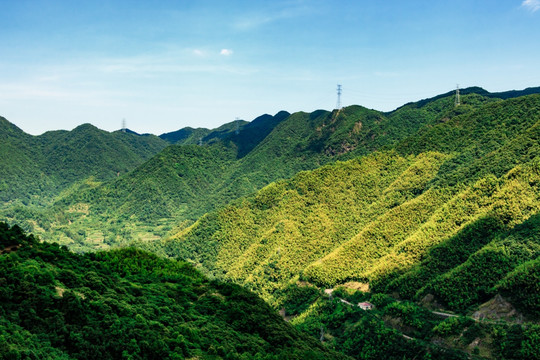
131 304
36 168
429 212
450 215
176 187
448 218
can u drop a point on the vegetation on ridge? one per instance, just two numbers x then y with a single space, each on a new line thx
267 149
378 218
37 168
429 207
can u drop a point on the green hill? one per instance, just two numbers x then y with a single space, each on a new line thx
246 135
431 207
447 218
36 168
265 150
374 219
131 304
146 204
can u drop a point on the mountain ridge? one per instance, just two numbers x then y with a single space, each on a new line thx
431 209
287 144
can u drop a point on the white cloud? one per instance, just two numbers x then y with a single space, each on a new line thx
198 52
531 5
226 52
277 12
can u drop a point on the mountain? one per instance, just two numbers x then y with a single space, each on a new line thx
245 135
446 219
264 150
429 213
185 135
131 304
190 136
36 168
374 218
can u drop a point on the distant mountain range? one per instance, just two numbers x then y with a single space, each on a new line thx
105 174
431 207
38 167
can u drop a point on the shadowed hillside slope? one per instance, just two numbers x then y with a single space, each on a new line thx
374 219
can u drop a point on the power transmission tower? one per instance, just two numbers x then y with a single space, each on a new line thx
338 104
458 102
237 126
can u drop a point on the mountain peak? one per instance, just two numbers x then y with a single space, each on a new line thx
8 129
86 127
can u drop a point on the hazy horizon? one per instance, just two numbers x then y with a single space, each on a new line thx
165 66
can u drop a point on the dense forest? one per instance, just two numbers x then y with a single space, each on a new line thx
130 304
375 217
176 187
36 168
430 213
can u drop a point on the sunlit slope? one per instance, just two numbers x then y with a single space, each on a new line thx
376 218
184 182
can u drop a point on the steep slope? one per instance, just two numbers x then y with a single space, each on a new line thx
131 304
375 218
191 136
187 135
246 135
147 203
438 206
266 149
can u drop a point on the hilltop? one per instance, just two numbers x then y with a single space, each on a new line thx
36 168
448 217
426 210
373 217
176 187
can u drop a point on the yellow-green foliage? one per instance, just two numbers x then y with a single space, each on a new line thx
513 198
288 225
370 219
265 240
357 255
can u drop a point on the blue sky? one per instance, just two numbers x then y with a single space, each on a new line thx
164 65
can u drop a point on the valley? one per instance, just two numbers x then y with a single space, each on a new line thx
426 210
